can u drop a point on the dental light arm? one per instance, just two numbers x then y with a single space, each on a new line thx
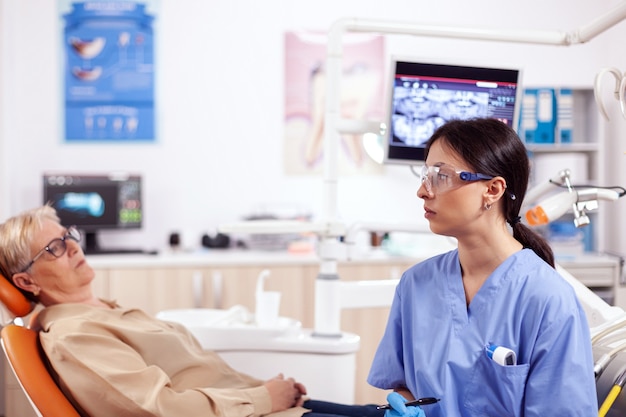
578 201
562 177
586 195
556 206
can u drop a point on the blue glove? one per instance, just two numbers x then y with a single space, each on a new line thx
398 409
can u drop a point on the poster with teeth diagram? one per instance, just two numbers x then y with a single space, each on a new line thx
108 72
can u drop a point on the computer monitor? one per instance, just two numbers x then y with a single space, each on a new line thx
95 202
424 95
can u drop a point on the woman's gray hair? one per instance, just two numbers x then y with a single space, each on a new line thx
16 235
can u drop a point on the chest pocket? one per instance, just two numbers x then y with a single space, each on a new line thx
496 390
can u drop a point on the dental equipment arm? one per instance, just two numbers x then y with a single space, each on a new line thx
576 199
555 206
562 177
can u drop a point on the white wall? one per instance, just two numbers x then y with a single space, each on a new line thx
213 162
4 204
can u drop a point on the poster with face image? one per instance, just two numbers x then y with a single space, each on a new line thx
108 71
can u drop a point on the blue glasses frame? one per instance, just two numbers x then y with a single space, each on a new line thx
442 178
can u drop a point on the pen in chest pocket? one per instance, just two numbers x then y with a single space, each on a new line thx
501 355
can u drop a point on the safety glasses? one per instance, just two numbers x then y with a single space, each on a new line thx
440 179
56 247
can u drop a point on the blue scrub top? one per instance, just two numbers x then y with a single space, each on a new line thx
435 345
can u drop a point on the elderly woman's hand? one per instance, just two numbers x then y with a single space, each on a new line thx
285 393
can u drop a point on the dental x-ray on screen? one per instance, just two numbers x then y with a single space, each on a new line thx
423 96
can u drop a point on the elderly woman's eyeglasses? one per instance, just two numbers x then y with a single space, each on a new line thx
443 178
56 247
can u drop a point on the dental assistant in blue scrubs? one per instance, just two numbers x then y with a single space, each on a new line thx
498 288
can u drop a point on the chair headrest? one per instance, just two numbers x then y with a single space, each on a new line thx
13 300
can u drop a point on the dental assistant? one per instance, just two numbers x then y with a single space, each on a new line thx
499 287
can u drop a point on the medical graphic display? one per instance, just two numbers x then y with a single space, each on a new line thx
95 202
423 96
306 80
109 72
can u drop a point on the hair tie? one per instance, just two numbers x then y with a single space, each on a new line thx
515 221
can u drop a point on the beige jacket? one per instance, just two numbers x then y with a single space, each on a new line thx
123 362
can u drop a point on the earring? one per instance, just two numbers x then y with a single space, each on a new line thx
487 206
36 292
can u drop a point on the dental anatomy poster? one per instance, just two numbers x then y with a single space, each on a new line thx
361 98
108 71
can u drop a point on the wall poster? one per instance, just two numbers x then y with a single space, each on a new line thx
108 71
362 98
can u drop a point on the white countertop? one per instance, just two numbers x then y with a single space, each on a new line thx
230 257
239 257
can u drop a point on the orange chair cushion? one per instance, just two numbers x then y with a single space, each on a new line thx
23 352
13 299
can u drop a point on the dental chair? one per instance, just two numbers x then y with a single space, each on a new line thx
27 360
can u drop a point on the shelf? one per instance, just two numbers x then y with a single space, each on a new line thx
562 147
583 155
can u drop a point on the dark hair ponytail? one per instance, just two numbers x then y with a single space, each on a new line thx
493 148
531 239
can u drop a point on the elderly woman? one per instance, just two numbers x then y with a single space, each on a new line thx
114 361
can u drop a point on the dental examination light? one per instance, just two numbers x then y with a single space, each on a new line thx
554 207
578 199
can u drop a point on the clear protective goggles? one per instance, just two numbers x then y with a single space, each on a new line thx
443 178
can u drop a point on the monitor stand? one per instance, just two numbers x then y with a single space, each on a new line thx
93 248
91 242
